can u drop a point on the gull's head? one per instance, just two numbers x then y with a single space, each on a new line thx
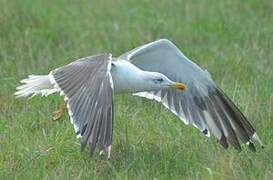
157 81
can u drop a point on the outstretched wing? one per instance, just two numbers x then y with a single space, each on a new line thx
88 90
202 104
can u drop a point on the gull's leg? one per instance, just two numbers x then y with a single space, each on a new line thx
56 115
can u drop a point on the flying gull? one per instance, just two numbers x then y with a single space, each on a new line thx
154 71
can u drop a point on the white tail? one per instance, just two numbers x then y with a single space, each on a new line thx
34 85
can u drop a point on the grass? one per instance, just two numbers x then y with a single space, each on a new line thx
232 39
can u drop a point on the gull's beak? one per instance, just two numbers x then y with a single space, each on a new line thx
180 86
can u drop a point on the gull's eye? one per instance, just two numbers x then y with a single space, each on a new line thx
158 80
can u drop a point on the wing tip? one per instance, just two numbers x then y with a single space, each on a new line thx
256 138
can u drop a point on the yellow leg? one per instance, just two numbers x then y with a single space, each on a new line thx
56 115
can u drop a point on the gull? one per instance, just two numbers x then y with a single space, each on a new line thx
158 71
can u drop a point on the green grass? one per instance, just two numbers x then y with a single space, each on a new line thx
232 39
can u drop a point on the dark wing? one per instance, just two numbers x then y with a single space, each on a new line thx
202 104
88 90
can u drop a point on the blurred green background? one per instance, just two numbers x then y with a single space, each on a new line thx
232 39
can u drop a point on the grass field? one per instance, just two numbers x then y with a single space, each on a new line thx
232 39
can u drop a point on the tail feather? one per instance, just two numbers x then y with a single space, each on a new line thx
34 85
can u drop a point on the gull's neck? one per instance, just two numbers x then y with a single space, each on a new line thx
127 78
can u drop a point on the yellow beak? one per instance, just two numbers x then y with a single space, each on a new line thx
180 86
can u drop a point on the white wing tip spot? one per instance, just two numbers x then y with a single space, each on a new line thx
257 138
